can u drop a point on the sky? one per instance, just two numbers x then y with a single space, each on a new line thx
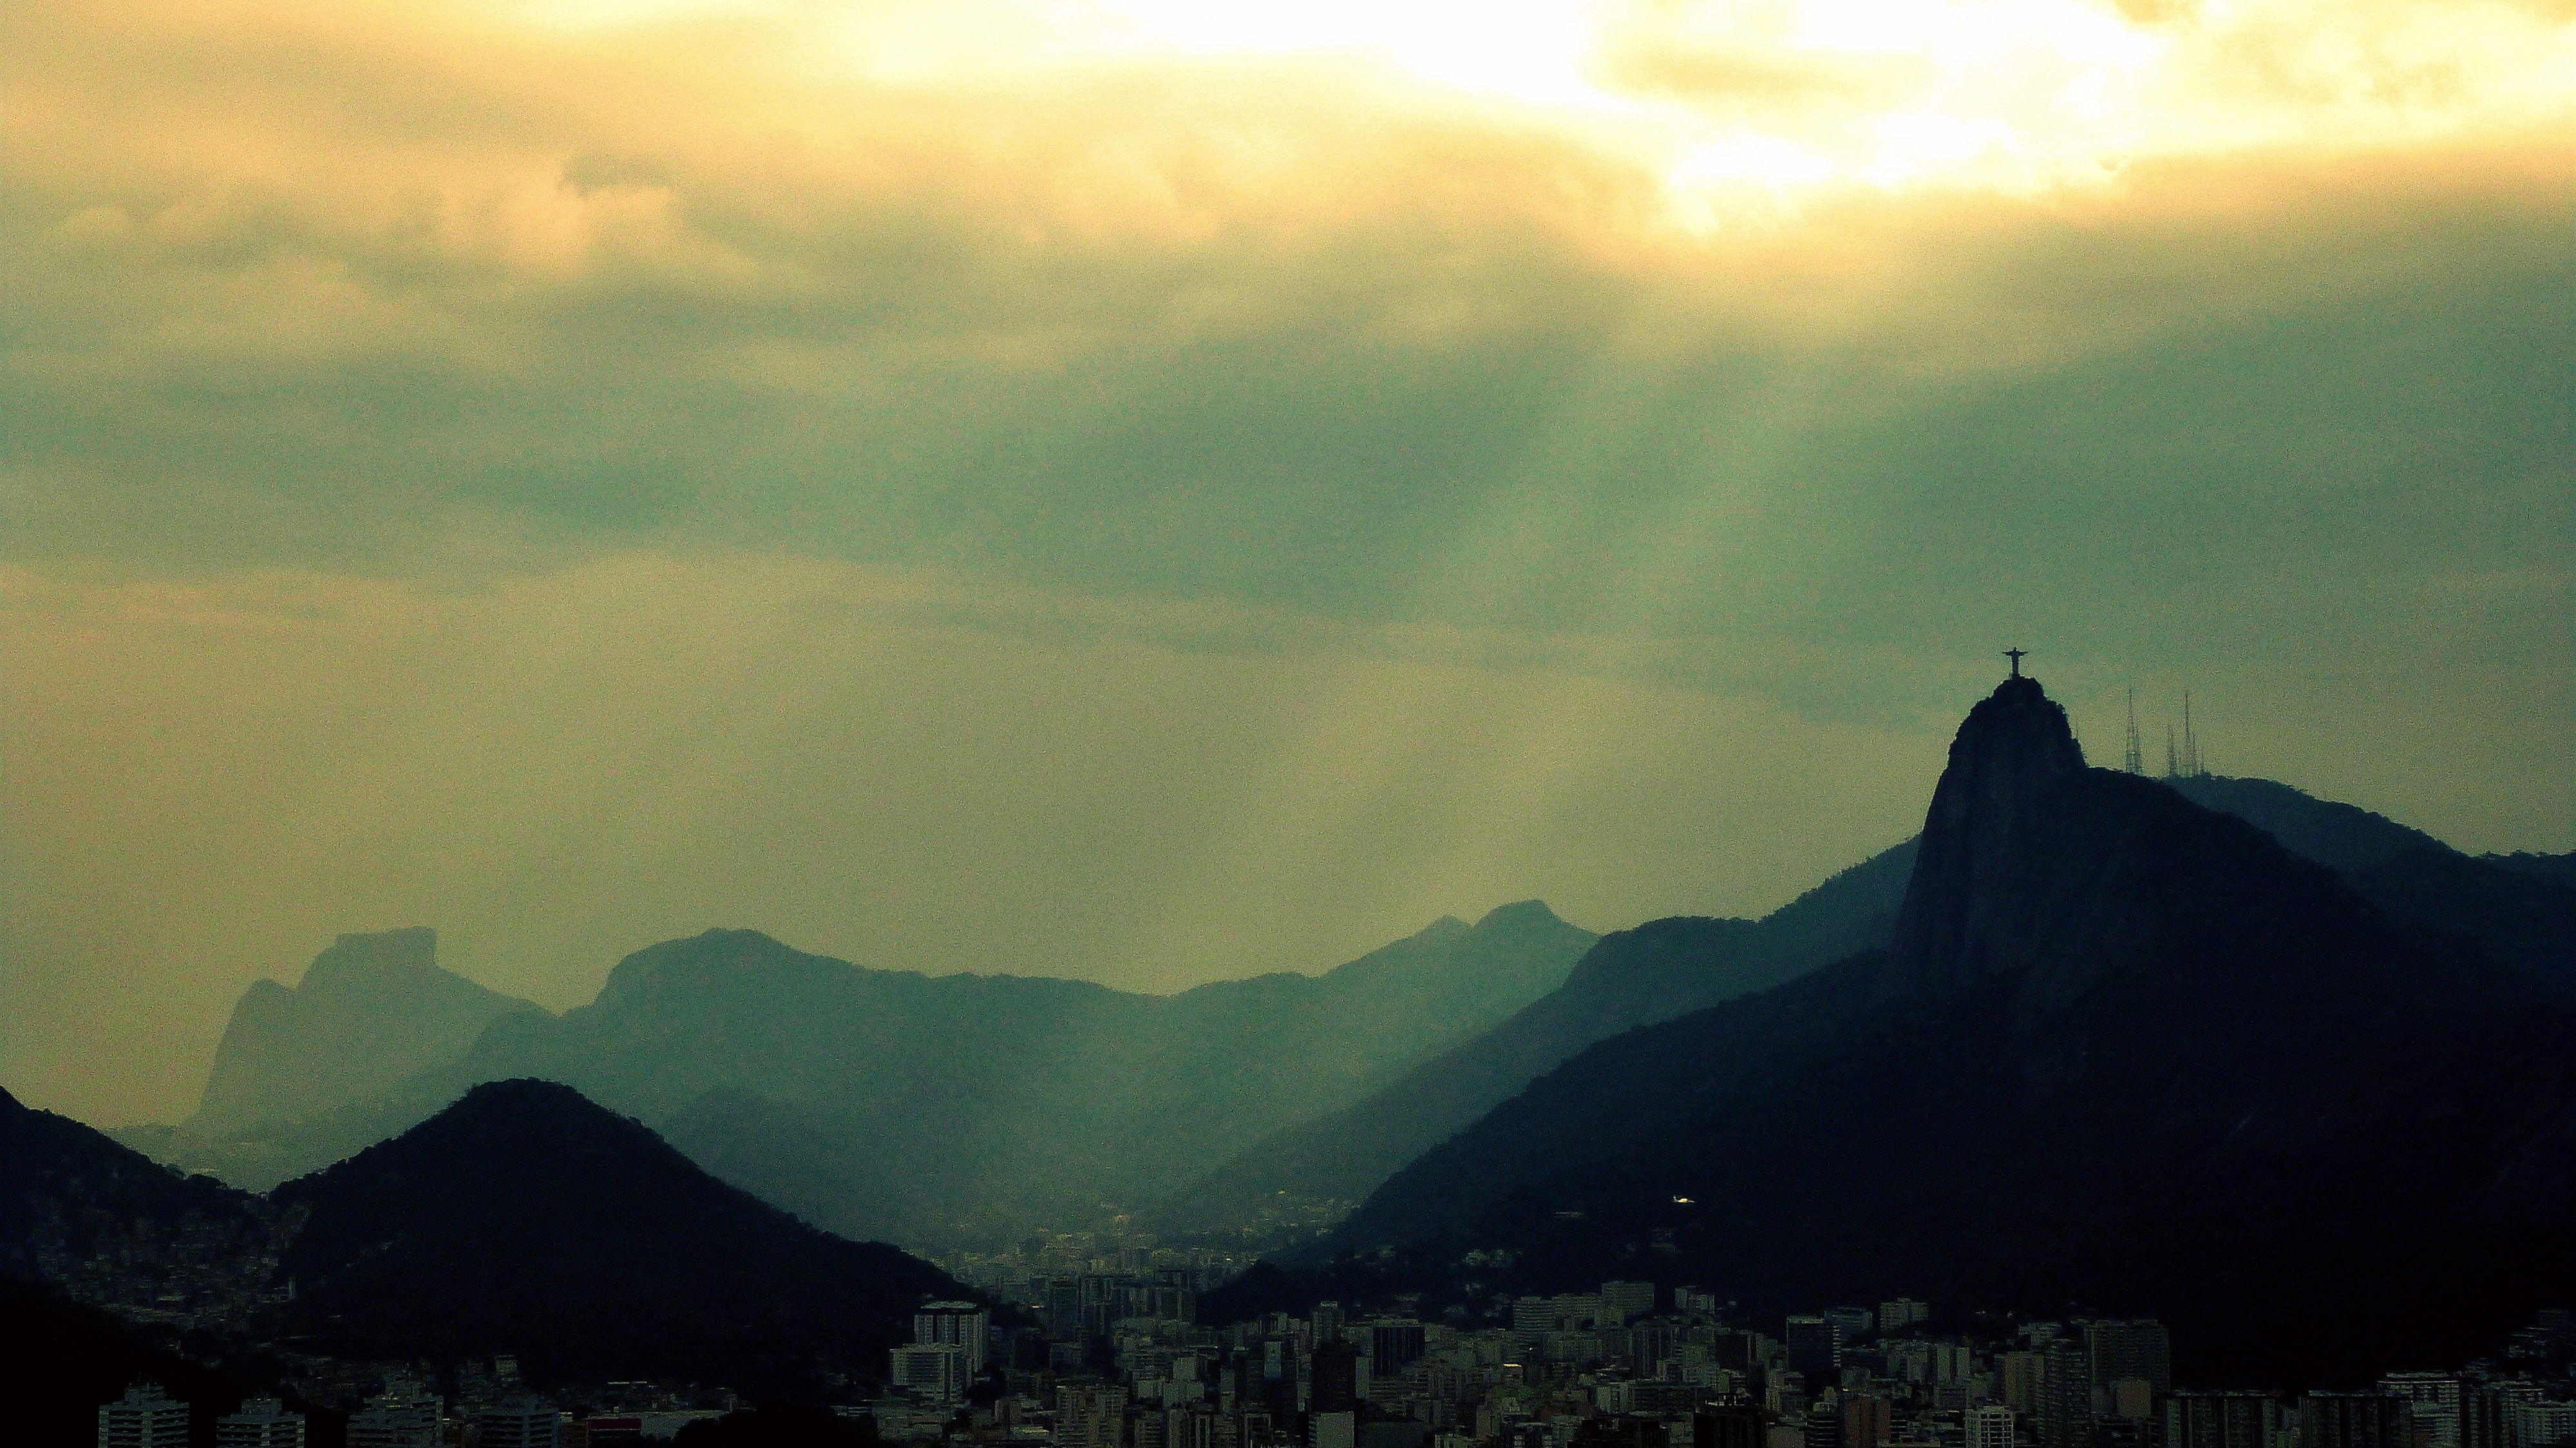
1160 490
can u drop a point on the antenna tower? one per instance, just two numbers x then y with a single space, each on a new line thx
2190 741
2133 761
2173 766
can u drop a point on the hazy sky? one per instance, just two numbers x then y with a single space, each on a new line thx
1161 489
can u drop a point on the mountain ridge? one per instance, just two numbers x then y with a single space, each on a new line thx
2125 1052
1035 1093
1628 978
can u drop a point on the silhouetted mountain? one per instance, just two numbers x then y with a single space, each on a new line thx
2561 868
526 1219
989 1099
370 1011
69 1195
2516 909
2125 1054
2342 837
1630 978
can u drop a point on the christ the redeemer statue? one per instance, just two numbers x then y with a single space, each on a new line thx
2016 655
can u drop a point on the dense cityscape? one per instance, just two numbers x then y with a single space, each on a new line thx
1092 1340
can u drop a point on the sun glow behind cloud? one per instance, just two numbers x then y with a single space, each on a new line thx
1790 95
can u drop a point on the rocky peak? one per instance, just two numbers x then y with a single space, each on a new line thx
2012 754
379 957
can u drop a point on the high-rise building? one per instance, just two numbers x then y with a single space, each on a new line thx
403 1416
2139 1349
146 1417
1901 1313
1989 1427
2065 1395
1815 1348
2020 1377
1190 1427
2356 1420
1730 1425
261 1423
1334 1430
1329 1321
958 1324
1533 1318
934 1371
2540 1423
1395 1345
1334 1378
1868 1421
2486 1416
518 1423
1576 1310
1856 1322
1090 1415
2223 1420
1063 1303
1625 1302
2435 1397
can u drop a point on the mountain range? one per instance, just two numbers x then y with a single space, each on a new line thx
876 1103
2294 1077
2122 1053
2515 910
1630 978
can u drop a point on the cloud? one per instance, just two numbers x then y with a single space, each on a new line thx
519 465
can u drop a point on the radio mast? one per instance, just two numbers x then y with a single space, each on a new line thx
2134 760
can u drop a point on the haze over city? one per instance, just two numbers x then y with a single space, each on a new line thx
1288 724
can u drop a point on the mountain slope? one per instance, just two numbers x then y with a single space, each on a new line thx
2342 837
2517 910
524 1218
1630 978
370 1011
781 1153
2124 1053
79 1209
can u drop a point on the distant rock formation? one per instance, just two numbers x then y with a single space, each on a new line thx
370 1011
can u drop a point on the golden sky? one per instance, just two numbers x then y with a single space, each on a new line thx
1154 490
